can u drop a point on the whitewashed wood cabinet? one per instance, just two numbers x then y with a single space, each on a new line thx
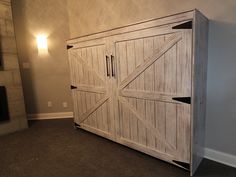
144 86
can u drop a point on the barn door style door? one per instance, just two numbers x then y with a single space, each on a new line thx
144 86
154 90
90 78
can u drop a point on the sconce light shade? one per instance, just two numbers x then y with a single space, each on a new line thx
42 43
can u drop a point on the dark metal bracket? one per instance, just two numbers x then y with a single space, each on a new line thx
184 165
186 25
73 87
186 100
69 47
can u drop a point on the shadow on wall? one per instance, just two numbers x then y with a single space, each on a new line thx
23 44
221 98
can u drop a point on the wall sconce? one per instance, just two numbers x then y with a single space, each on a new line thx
42 44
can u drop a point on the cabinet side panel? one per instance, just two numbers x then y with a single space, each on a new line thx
200 55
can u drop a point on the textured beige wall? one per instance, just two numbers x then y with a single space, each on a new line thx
88 16
10 73
47 79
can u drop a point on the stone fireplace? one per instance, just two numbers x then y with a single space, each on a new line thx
12 108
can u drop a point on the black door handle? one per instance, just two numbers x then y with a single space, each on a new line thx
112 66
107 65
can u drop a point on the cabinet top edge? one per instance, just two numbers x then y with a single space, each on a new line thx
186 15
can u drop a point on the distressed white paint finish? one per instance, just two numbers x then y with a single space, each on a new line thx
92 95
173 133
153 63
199 80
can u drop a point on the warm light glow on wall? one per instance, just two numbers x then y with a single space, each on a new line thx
42 44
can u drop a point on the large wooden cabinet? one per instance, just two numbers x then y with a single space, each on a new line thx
144 86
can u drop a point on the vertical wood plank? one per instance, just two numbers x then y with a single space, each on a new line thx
80 67
85 70
149 86
184 55
171 126
159 86
80 81
139 56
76 71
123 75
159 65
112 104
71 59
121 128
90 80
183 136
93 95
170 87
160 115
83 98
99 96
85 81
89 62
131 67
103 118
122 60
170 70
75 106
77 79
131 61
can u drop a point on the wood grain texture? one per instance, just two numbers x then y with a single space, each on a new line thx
150 60
153 63
138 85
199 77
147 125
149 95
92 94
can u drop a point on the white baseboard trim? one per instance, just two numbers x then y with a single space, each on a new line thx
221 157
54 115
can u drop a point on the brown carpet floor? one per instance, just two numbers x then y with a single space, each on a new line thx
52 148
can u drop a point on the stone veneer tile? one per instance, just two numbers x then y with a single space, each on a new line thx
5 11
2 27
8 44
10 62
6 78
16 109
16 77
14 93
9 28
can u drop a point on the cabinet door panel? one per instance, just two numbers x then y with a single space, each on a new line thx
152 70
92 94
